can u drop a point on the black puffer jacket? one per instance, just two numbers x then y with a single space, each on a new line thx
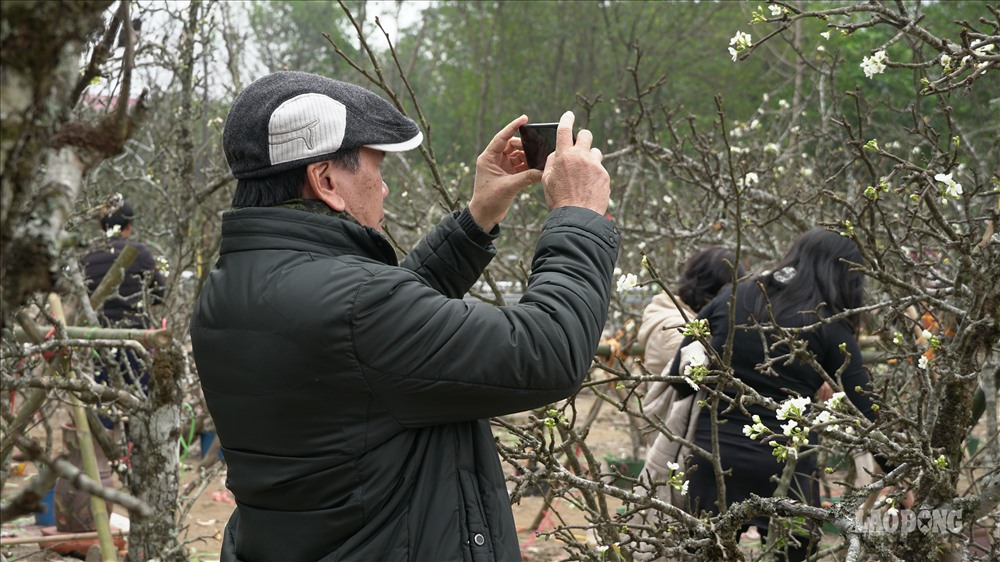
350 395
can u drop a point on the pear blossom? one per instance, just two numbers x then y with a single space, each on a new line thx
946 62
772 147
793 408
627 282
113 231
825 35
783 104
673 466
874 64
823 417
923 362
739 43
788 428
892 511
756 430
695 370
776 10
750 179
952 188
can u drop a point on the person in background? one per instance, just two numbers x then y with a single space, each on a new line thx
703 276
127 307
351 394
814 281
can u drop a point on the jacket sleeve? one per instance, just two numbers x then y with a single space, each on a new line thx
451 258
662 338
431 359
854 376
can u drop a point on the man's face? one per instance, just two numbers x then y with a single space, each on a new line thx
364 191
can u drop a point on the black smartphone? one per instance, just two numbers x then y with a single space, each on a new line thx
538 140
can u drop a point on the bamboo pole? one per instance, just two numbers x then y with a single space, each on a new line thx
40 539
150 339
97 506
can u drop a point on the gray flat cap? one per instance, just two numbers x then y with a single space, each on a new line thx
289 119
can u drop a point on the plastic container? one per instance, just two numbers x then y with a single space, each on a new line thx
48 517
205 440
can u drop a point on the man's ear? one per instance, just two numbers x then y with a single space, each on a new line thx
321 183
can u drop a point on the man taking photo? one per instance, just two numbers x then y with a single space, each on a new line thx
351 394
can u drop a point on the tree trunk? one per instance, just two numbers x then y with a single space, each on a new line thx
155 467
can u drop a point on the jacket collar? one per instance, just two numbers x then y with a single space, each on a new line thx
301 229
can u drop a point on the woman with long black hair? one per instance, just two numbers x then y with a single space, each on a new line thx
813 285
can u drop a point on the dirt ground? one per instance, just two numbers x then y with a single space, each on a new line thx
205 522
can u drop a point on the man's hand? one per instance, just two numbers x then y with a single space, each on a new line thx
501 173
574 176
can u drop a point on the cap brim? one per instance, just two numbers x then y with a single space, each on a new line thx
399 146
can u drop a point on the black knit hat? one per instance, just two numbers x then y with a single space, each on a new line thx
289 119
120 218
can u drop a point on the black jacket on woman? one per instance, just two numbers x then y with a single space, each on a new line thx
752 462
351 395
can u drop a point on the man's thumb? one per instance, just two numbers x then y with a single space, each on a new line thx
528 177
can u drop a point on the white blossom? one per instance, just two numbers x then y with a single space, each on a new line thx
823 417
739 43
951 187
793 408
673 466
923 362
946 61
113 231
750 179
775 10
787 428
783 104
874 64
754 431
627 282
695 370
684 488
825 35
772 147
